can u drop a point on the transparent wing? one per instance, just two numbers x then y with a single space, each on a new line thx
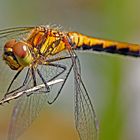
14 31
28 106
85 117
25 111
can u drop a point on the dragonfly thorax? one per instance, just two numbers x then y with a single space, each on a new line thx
17 54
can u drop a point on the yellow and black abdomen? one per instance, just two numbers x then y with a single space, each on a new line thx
82 42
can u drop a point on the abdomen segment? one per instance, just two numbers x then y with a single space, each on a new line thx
82 42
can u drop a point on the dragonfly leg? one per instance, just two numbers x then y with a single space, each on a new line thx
56 65
24 83
43 80
63 67
34 77
7 92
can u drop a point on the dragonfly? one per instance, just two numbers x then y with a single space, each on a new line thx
42 58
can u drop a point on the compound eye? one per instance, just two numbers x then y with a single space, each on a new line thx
20 49
10 44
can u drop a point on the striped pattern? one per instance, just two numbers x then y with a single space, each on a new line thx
82 42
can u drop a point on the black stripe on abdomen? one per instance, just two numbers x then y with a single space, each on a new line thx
110 49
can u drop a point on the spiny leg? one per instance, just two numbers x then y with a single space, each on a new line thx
57 59
69 57
34 77
15 77
34 80
43 80
24 83
63 67
61 86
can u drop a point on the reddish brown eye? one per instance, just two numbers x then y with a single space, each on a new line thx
20 49
10 44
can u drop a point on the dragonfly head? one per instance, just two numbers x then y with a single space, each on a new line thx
17 54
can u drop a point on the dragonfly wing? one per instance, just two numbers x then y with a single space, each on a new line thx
27 108
25 111
85 117
14 32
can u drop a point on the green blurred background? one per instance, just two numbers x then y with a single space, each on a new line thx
112 81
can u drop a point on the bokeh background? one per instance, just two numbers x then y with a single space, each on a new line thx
112 81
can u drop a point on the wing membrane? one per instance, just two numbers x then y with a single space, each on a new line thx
85 117
27 106
25 111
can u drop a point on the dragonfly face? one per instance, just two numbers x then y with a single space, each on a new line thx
17 54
